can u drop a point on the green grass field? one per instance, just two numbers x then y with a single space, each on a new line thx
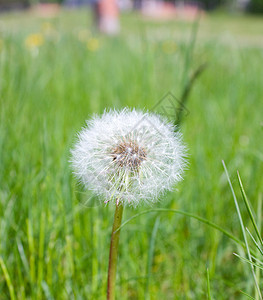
54 235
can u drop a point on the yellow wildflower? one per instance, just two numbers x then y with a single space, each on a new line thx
93 44
34 40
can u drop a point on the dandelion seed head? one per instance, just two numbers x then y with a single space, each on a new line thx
129 155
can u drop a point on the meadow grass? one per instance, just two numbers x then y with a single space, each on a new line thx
54 235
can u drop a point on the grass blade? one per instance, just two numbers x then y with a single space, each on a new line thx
31 251
8 280
257 245
150 257
257 260
243 228
248 261
40 268
248 208
208 285
259 217
190 215
46 290
250 297
22 255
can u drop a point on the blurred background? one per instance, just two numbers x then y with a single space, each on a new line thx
199 63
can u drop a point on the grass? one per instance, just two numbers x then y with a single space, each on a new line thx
54 235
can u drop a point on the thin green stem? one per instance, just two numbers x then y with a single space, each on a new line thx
115 235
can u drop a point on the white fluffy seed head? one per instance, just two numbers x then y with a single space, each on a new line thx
129 155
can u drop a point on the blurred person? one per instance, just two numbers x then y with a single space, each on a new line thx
107 16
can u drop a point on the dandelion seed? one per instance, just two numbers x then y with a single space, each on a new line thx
131 156
33 42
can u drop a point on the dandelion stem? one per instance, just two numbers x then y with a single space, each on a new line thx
114 251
